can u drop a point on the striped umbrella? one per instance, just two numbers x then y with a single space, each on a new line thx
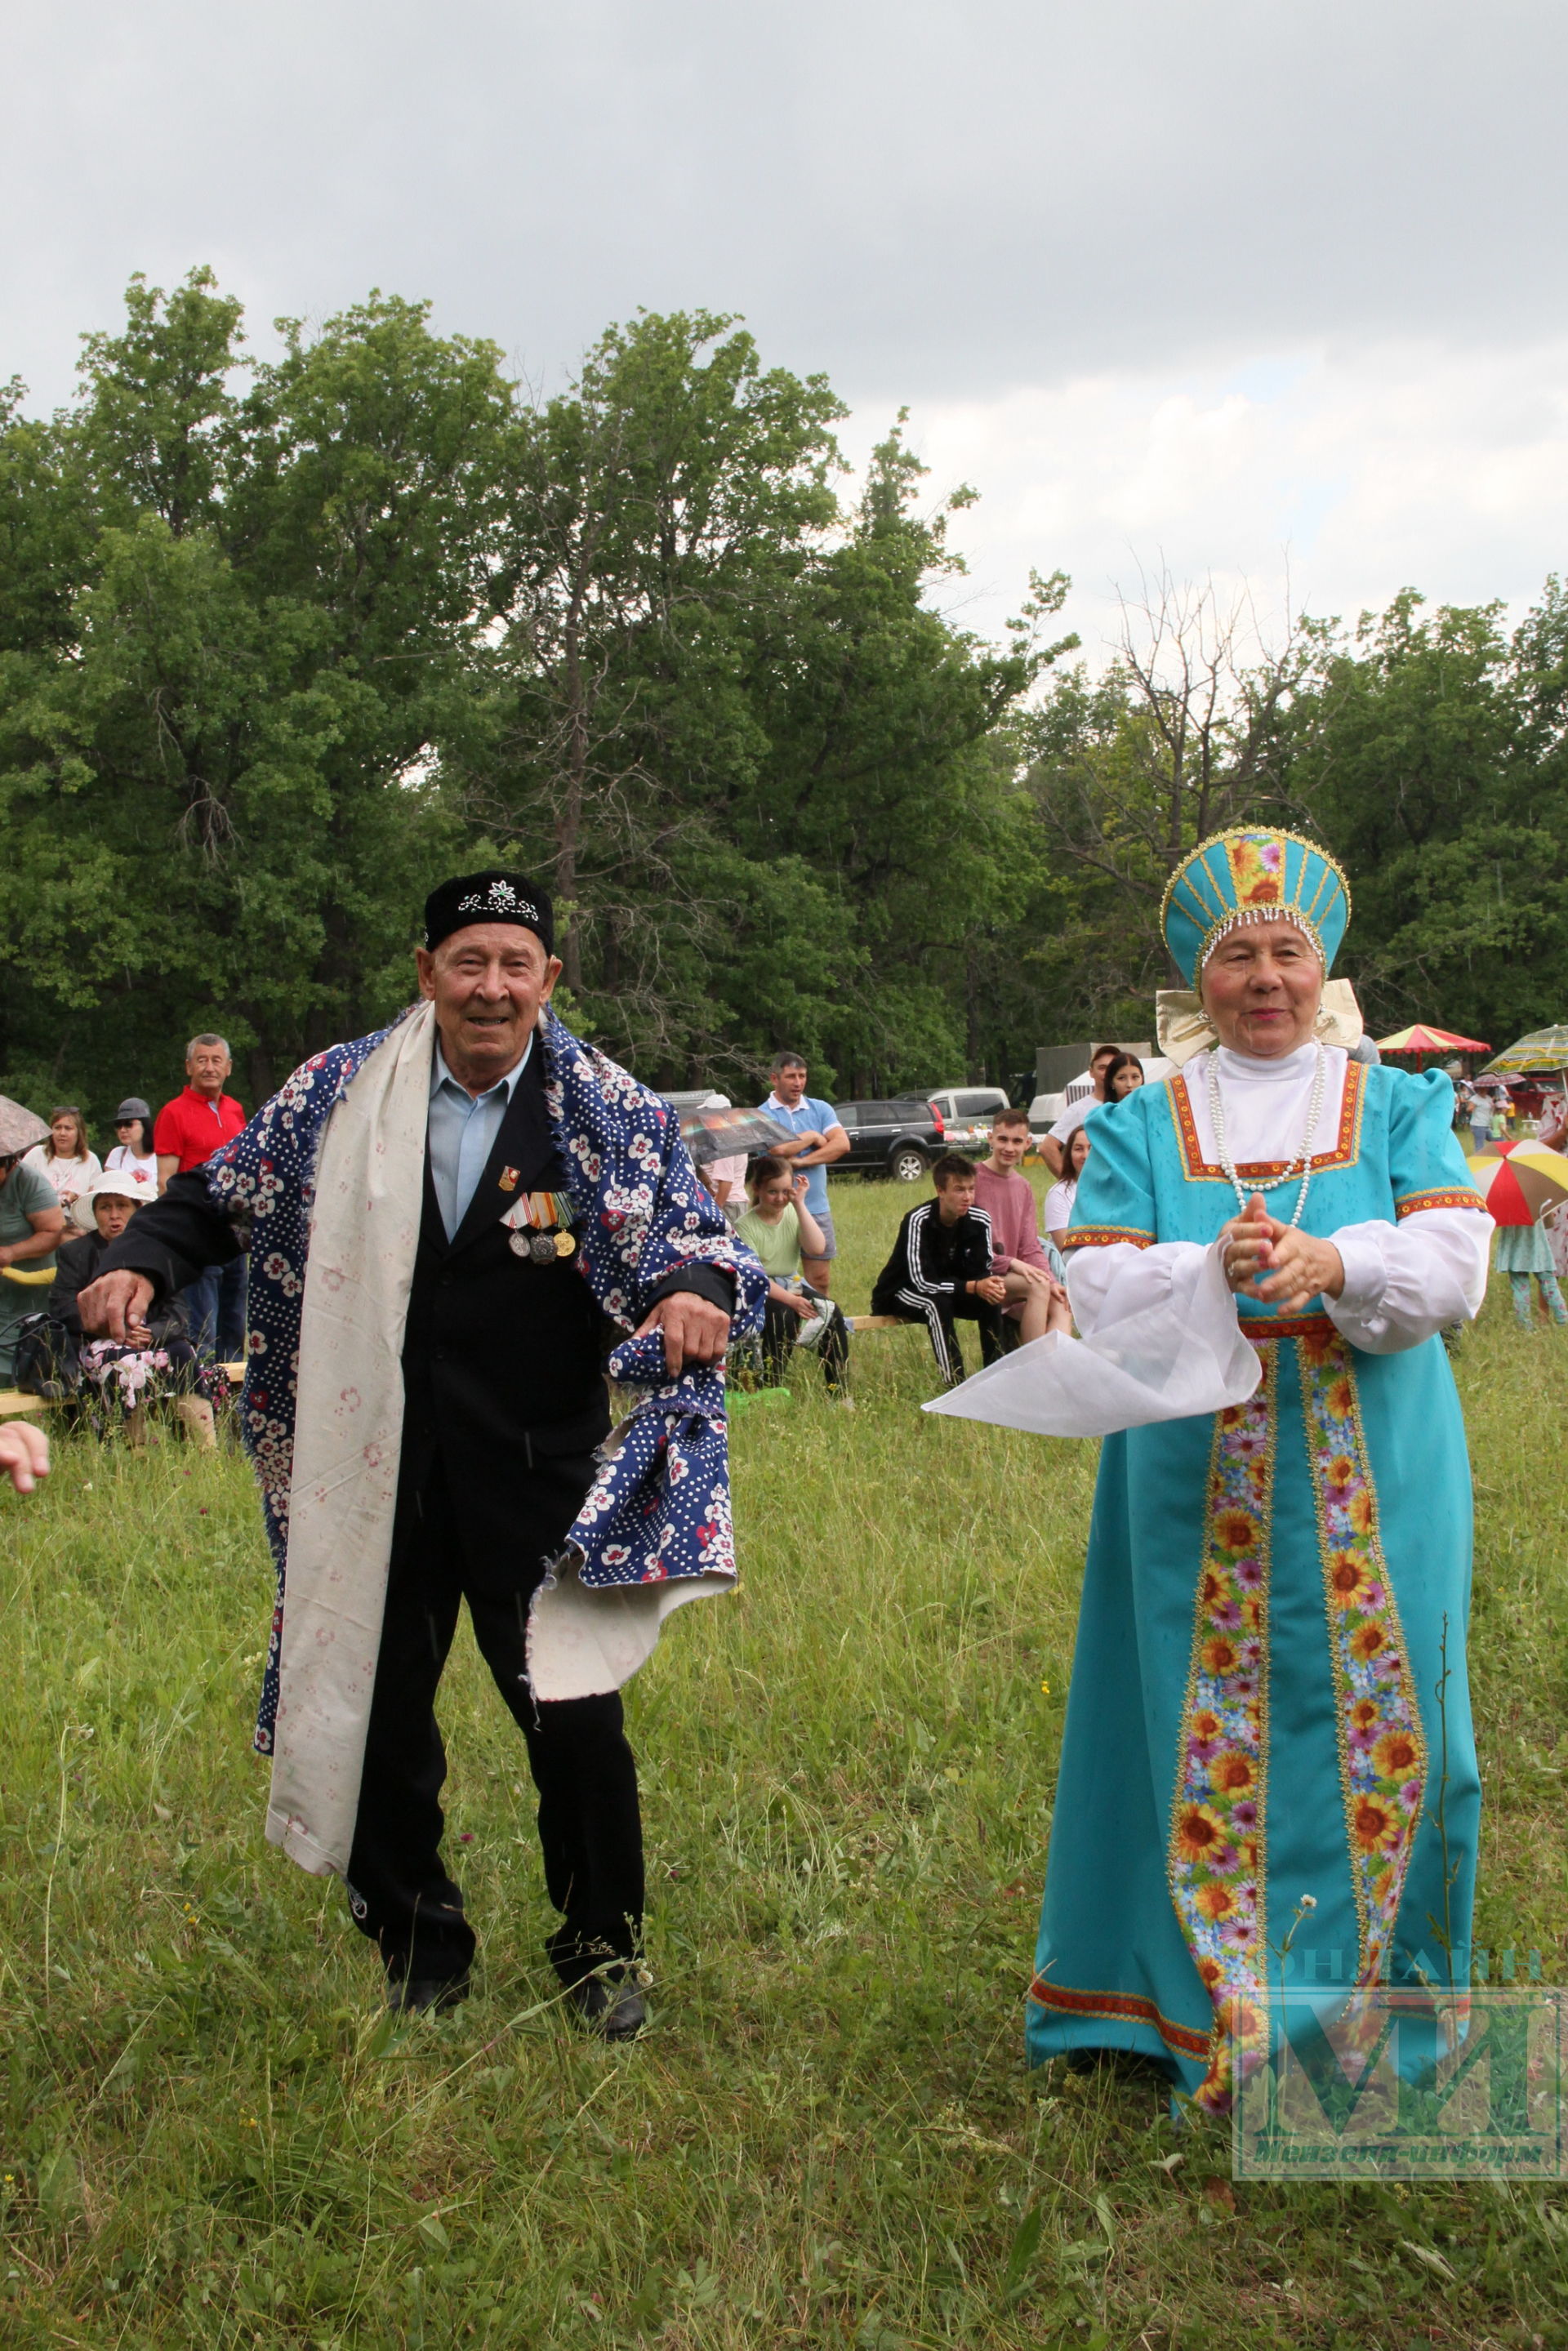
1422 1039
729 1133
20 1128
1544 1048
1518 1180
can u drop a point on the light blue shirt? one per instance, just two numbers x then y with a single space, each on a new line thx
463 1131
809 1113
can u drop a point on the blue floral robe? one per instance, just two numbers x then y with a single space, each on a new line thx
659 1509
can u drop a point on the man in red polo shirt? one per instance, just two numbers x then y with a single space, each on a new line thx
187 1132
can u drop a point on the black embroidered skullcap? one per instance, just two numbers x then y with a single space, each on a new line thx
491 897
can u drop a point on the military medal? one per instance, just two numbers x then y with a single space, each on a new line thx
536 1225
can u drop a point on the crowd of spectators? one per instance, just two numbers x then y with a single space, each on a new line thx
61 1206
972 1252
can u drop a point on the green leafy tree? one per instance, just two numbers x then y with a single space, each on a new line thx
257 612
1431 757
892 773
660 515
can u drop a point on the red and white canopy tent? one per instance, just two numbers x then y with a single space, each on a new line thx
1420 1039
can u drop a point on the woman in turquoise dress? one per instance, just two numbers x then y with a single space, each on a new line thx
1269 1678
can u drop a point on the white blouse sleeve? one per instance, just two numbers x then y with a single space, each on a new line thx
1402 1282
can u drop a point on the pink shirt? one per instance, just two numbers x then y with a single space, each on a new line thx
1008 1201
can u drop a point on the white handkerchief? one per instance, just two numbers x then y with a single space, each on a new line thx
1180 1358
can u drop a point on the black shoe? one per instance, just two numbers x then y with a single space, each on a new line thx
422 1995
615 2010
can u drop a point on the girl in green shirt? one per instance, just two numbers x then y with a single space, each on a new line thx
779 1229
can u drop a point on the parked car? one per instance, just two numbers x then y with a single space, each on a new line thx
966 1114
899 1138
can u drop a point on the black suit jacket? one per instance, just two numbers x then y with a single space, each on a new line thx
504 1389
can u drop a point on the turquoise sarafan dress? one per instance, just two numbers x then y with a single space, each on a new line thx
1268 1697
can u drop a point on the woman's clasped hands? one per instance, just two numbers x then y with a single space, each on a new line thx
1277 1264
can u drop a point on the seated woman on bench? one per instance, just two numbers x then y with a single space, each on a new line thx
779 1229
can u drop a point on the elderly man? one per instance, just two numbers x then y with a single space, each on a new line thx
198 1122
450 1218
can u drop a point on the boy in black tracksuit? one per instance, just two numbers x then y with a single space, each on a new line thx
941 1267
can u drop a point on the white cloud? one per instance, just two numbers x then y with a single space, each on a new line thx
1330 478
1205 279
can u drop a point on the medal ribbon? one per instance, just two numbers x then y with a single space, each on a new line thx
541 1211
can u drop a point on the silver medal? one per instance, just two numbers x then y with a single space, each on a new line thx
541 1249
518 1244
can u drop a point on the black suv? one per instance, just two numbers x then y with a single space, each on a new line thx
891 1138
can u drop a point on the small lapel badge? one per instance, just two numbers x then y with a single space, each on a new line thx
508 1179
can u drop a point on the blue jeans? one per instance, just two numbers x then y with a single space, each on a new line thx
214 1308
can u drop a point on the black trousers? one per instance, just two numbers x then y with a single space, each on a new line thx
589 1829
779 1325
939 1314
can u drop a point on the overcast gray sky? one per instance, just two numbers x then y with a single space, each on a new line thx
1224 282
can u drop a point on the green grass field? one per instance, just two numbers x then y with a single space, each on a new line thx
210 2135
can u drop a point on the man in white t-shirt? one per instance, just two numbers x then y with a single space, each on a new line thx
1076 1112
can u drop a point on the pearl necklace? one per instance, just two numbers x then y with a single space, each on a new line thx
1300 1166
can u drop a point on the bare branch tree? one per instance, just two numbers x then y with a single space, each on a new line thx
1184 735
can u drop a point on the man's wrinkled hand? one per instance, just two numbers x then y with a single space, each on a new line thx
24 1454
696 1333
115 1305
